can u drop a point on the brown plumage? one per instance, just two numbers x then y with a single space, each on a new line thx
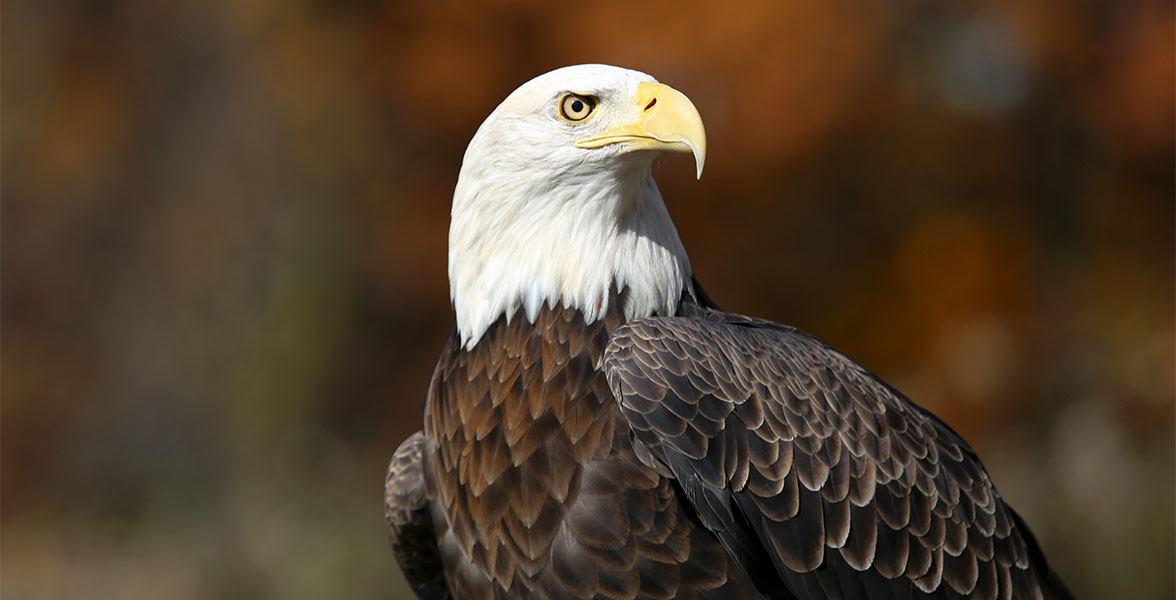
739 449
596 428
534 486
410 526
836 472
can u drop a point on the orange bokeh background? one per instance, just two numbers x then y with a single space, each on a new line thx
224 257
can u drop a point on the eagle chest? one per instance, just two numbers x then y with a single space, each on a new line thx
527 448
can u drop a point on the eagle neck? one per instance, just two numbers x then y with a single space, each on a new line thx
565 243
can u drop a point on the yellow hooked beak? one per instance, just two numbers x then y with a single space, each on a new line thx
664 119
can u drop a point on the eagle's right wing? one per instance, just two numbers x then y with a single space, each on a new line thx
410 529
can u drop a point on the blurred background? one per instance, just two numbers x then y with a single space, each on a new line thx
224 255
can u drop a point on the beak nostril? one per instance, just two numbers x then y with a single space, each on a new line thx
651 103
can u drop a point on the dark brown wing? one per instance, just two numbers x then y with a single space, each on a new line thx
853 491
410 529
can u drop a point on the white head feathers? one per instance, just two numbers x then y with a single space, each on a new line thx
553 211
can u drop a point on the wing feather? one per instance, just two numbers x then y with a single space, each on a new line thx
410 528
852 490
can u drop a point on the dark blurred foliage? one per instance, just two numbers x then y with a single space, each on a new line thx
224 255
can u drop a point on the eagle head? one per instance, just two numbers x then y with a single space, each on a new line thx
556 205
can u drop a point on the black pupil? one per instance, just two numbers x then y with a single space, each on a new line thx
577 106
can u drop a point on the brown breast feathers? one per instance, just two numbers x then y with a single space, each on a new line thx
534 486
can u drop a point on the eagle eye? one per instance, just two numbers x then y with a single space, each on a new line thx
574 107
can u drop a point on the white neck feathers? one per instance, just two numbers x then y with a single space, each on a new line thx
528 237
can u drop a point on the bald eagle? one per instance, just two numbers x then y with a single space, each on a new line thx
597 428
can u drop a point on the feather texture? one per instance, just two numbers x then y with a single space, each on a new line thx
410 528
541 494
578 445
833 469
